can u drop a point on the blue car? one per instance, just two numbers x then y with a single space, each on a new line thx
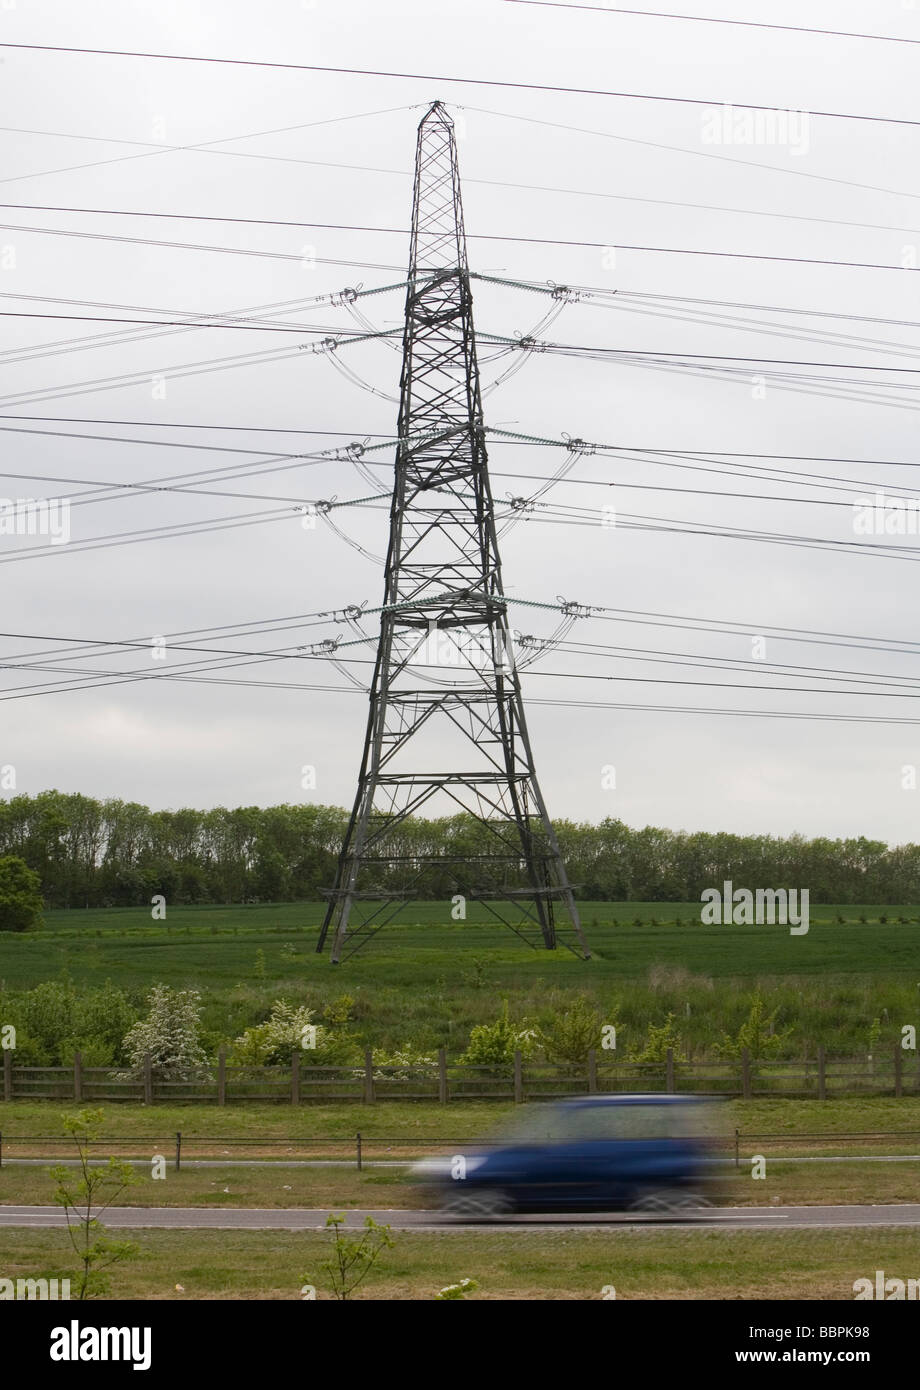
644 1153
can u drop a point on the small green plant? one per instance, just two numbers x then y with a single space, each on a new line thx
476 977
85 1195
455 1291
494 1044
570 1035
875 1035
757 1033
352 1260
661 1038
258 968
340 1011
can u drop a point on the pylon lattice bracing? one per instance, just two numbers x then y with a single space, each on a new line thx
445 692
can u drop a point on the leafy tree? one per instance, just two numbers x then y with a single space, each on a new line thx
85 1195
352 1260
169 1035
20 895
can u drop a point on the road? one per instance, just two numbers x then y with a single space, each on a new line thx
241 1219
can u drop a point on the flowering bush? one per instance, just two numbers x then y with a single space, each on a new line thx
458 1290
169 1036
289 1029
405 1064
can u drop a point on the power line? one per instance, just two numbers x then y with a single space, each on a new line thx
151 150
186 323
523 439
712 19
473 236
445 77
695 154
491 183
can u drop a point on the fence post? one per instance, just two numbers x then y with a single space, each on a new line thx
178 1149
295 1078
7 1075
592 1070
148 1080
77 1076
368 1075
358 1149
898 1070
822 1073
669 1071
518 1078
222 1076
442 1075
745 1073
737 1153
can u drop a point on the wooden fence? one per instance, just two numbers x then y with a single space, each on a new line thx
896 1073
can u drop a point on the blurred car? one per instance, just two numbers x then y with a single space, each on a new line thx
646 1153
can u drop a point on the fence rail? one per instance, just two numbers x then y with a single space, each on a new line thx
896 1073
360 1149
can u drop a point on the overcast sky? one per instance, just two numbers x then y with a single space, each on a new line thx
88 132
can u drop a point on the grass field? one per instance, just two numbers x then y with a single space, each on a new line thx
666 1263
786 1184
429 983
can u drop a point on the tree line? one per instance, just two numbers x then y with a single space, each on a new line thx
113 853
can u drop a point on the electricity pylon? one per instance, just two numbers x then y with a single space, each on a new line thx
445 692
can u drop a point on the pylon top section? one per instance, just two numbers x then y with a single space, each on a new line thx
438 238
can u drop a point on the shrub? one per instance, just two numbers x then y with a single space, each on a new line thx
169 1035
756 1034
571 1035
405 1064
661 1037
275 1041
494 1044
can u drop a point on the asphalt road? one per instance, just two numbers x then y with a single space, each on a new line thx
205 1218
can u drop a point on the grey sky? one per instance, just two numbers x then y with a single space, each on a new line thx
173 743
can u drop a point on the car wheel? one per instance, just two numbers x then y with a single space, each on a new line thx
484 1204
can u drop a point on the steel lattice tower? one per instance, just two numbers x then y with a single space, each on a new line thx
445 691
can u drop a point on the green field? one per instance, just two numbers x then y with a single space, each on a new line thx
427 982
663 1263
